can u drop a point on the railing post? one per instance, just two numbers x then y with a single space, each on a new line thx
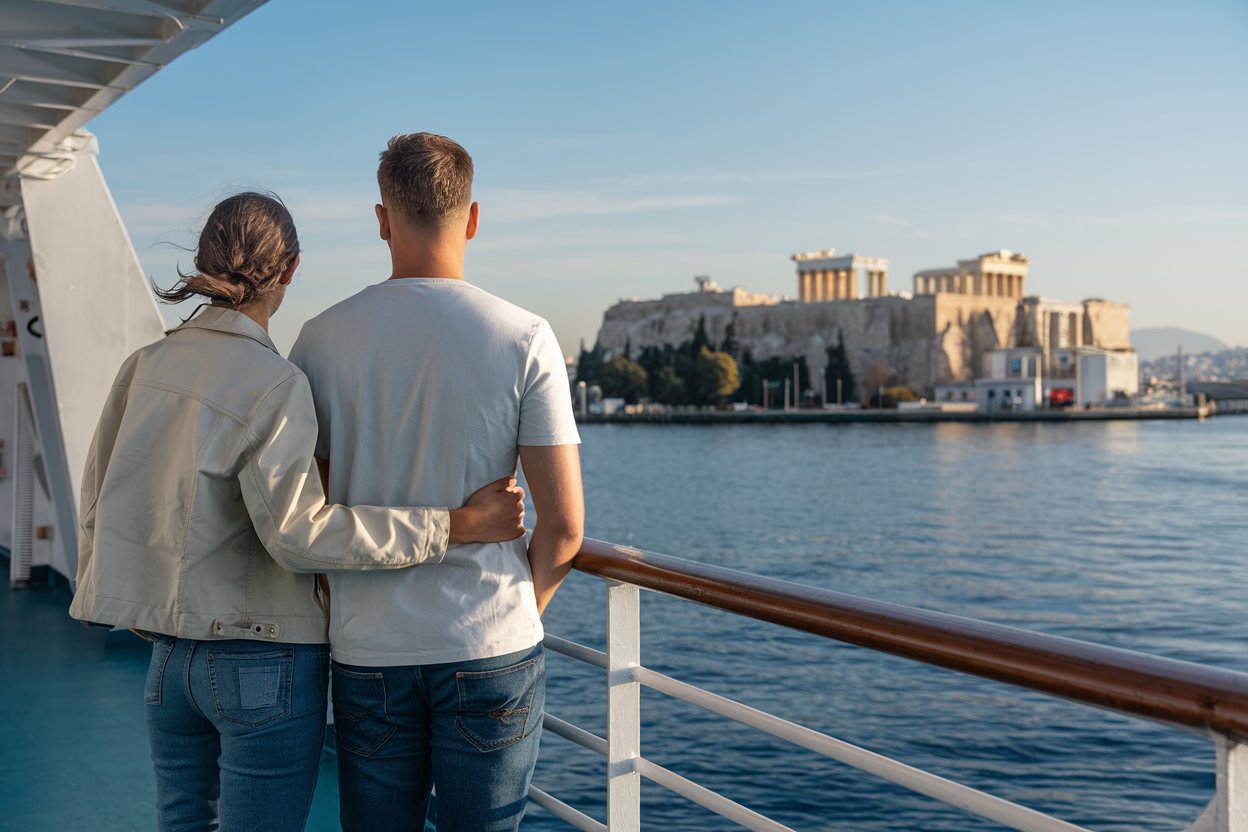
623 707
1232 797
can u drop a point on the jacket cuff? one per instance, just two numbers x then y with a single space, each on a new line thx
439 535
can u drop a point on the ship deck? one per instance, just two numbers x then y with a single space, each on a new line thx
73 745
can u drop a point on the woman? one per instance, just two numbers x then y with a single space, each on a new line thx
200 504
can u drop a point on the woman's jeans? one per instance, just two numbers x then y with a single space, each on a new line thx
471 728
236 729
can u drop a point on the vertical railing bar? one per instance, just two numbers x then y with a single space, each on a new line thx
623 707
1231 799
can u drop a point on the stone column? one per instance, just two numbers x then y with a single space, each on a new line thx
875 284
824 289
803 287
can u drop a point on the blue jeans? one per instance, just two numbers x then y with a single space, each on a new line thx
471 728
236 729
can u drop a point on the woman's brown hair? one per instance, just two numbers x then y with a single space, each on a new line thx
247 243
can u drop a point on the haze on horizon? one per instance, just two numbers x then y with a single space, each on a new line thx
621 150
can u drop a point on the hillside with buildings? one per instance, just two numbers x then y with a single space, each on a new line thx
952 337
1223 365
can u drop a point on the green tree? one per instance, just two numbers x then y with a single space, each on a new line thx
668 387
624 378
700 341
730 344
589 364
838 369
715 377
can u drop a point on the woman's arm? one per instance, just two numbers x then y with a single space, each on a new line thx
281 487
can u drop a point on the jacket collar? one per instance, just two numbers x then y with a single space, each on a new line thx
220 319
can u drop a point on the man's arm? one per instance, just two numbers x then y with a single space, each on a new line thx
553 474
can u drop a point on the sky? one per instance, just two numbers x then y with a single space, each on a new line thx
623 148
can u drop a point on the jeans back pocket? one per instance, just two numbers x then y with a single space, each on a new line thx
251 688
361 719
154 685
501 707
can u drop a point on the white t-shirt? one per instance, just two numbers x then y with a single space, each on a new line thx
424 388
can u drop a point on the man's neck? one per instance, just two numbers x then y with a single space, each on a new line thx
447 268
421 255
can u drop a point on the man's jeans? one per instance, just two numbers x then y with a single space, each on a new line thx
236 729
471 728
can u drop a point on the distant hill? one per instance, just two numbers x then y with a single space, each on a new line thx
1224 365
1155 341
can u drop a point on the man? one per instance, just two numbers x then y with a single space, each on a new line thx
425 384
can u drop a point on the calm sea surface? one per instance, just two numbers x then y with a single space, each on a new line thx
1129 534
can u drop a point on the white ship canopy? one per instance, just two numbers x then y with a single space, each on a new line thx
64 61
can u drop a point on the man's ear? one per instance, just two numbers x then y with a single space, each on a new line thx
383 221
474 219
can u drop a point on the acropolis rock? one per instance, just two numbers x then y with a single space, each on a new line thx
940 333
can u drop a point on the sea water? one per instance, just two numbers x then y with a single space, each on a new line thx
1130 534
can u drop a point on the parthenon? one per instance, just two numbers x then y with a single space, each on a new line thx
1001 274
823 277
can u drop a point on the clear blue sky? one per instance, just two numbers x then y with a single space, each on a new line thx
623 148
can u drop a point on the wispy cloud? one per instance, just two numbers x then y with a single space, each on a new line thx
516 205
740 177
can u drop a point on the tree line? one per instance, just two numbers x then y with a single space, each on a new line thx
697 373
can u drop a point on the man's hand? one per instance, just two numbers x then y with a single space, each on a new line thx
492 514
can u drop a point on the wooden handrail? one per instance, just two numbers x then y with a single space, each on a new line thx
1176 692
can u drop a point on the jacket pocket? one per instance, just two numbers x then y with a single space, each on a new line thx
361 719
251 689
501 707
154 686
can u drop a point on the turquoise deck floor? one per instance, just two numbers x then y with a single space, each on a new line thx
73 746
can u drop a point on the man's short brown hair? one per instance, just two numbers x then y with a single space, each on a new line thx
425 177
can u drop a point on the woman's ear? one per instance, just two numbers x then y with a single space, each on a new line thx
289 274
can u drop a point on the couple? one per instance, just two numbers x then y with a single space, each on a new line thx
205 523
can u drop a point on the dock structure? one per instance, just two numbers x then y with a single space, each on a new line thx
888 416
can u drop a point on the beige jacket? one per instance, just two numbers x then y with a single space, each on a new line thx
201 500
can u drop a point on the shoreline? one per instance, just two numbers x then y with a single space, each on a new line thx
730 417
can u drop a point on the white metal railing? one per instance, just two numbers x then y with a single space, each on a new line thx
1226 812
